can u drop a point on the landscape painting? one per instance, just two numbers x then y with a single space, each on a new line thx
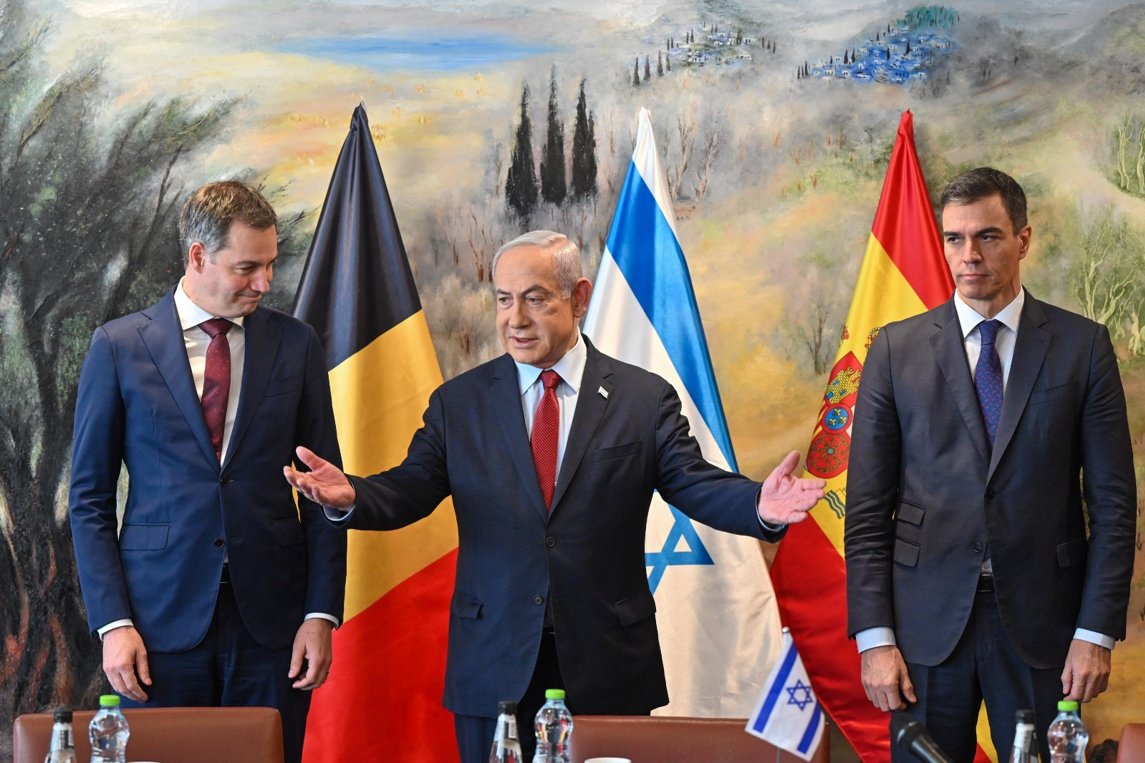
774 121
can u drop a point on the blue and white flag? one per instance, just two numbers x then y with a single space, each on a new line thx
787 714
716 609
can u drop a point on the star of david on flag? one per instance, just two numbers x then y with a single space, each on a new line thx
787 714
715 608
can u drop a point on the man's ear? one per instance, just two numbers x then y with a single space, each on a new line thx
196 256
581 293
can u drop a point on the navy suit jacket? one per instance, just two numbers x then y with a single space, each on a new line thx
585 558
137 406
926 494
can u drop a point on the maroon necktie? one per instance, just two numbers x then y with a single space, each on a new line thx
217 380
546 435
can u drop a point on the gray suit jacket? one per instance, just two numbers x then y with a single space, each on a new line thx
925 493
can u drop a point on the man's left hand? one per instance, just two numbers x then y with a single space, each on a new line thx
785 499
1086 673
312 645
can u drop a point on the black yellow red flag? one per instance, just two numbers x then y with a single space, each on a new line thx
383 698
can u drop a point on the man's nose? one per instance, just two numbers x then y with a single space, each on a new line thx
261 281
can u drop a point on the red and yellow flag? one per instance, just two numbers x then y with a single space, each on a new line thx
383 698
903 273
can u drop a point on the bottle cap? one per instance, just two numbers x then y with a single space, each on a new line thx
1068 705
506 707
1025 716
109 700
554 693
62 715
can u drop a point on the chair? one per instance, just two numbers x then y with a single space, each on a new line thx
168 735
1131 745
664 739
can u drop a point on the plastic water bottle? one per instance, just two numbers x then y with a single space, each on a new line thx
1025 749
506 744
1067 735
554 725
108 732
63 749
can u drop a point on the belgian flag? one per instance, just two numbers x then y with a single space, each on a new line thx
383 698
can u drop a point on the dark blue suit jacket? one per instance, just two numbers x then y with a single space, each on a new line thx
926 495
137 406
585 558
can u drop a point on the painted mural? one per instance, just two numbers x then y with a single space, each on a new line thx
775 120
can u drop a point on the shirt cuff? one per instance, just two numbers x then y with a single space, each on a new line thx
113 625
768 525
338 515
1094 637
321 616
870 638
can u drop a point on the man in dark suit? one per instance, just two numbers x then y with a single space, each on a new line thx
217 590
551 453
981 429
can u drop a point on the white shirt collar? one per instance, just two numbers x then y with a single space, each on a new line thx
190 314
570 368
1010 315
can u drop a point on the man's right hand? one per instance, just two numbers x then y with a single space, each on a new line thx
885 678
325 484
125 662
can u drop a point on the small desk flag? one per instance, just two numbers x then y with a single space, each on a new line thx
787 714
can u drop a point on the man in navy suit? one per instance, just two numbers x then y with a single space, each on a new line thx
551 588
987 431
218 589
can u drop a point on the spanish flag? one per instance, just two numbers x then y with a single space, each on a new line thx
383 698
903 273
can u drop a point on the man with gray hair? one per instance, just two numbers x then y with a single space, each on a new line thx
551 453
217 590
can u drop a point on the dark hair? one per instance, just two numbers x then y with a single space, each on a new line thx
208 214
984 182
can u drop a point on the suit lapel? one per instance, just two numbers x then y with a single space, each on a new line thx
950 354
163 338
1030 349
590 407
262 340
506 393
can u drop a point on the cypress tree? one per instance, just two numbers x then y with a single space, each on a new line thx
521 183
583 151
553 187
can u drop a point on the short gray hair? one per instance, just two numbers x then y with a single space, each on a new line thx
208 214
566 255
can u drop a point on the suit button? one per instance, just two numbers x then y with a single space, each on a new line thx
538 600
990 494
977 547
219 543
550 541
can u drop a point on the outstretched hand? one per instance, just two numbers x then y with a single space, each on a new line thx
785 499
325 484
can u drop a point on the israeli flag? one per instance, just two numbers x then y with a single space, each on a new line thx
716 610
787 713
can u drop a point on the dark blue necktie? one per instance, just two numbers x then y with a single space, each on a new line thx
988 378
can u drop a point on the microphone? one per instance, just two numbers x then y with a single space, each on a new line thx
912 736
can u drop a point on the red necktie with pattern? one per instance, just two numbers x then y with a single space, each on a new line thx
217 380
546 435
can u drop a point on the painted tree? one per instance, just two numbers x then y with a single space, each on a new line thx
521 182
636 73
88 199
553 185
583 150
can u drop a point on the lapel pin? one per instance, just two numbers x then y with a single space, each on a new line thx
602 392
